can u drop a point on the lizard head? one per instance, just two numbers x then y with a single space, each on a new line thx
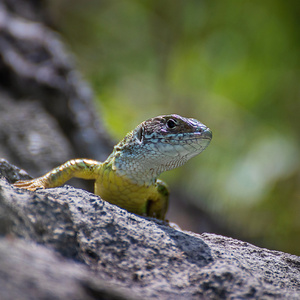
160 144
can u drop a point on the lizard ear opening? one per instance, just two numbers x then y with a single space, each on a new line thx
140 134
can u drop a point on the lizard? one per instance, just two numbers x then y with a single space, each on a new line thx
129 176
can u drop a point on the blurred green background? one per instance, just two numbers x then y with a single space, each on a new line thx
234 65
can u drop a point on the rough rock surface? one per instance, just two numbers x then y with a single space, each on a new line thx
67 237
30 271
46 109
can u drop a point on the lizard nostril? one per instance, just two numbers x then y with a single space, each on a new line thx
207 133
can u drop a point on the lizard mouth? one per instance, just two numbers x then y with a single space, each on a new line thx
203 134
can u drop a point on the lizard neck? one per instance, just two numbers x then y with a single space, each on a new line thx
138 169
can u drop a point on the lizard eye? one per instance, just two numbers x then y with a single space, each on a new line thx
171 123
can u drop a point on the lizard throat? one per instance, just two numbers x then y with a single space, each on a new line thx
143 172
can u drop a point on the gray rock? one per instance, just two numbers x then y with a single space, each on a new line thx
30 271
138 257
30 137
47 113
44 91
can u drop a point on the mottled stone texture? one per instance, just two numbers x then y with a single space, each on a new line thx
47 114
66 242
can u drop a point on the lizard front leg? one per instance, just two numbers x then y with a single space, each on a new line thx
158 206
80 168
